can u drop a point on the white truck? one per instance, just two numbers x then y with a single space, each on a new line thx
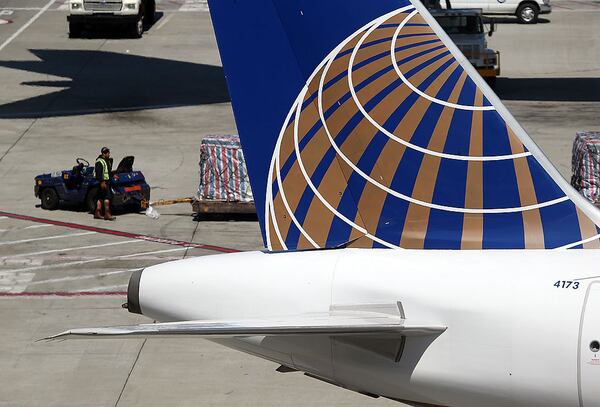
465 27
527 11
132 14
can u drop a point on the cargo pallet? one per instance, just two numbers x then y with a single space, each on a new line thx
223 207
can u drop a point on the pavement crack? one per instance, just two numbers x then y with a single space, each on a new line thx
130 372
18 139
191 240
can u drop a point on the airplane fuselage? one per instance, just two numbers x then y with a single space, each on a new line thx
522 325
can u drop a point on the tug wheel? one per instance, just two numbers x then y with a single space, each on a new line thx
49 199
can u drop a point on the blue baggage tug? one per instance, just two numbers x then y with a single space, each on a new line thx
78 187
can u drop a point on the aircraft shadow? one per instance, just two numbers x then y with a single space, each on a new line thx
549 89
101 81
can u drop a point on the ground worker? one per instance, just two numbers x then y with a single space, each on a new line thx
102 171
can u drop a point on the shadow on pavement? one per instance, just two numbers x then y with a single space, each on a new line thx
220 217
100 81
549 89
511 20
116 31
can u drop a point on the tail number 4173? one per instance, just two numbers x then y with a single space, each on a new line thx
567 284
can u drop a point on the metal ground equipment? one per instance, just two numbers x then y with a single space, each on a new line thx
79 187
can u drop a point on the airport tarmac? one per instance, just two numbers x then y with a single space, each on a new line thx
156 98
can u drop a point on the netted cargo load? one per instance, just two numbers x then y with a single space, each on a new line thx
584 163
223 174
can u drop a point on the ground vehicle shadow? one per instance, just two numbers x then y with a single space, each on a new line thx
115 32
83 209
100 73
510 20
549 89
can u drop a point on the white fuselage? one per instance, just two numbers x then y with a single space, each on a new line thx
515 337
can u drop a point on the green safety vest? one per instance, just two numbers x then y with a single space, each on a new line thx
105 174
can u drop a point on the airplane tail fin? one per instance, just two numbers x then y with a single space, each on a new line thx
363 124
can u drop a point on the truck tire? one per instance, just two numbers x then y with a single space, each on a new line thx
137 28
90 200
527 13
149 12
75 30
49 199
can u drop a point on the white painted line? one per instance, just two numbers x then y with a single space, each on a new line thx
34 261
6 277
166 11
195 8
163 22
184 11
14 283
37 239
81 262
68 249
78 278
108 288
39 226
127 256
26 25
591 10
20 8
194 5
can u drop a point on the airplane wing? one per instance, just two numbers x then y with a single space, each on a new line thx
362 122
353 321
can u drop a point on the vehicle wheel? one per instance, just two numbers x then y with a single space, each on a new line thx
90 200
49 199
527 13
149 12
75 30
137 28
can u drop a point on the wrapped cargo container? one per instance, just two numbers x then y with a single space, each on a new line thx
584 164
223 174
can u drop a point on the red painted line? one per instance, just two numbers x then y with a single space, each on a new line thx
119 233
67 294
